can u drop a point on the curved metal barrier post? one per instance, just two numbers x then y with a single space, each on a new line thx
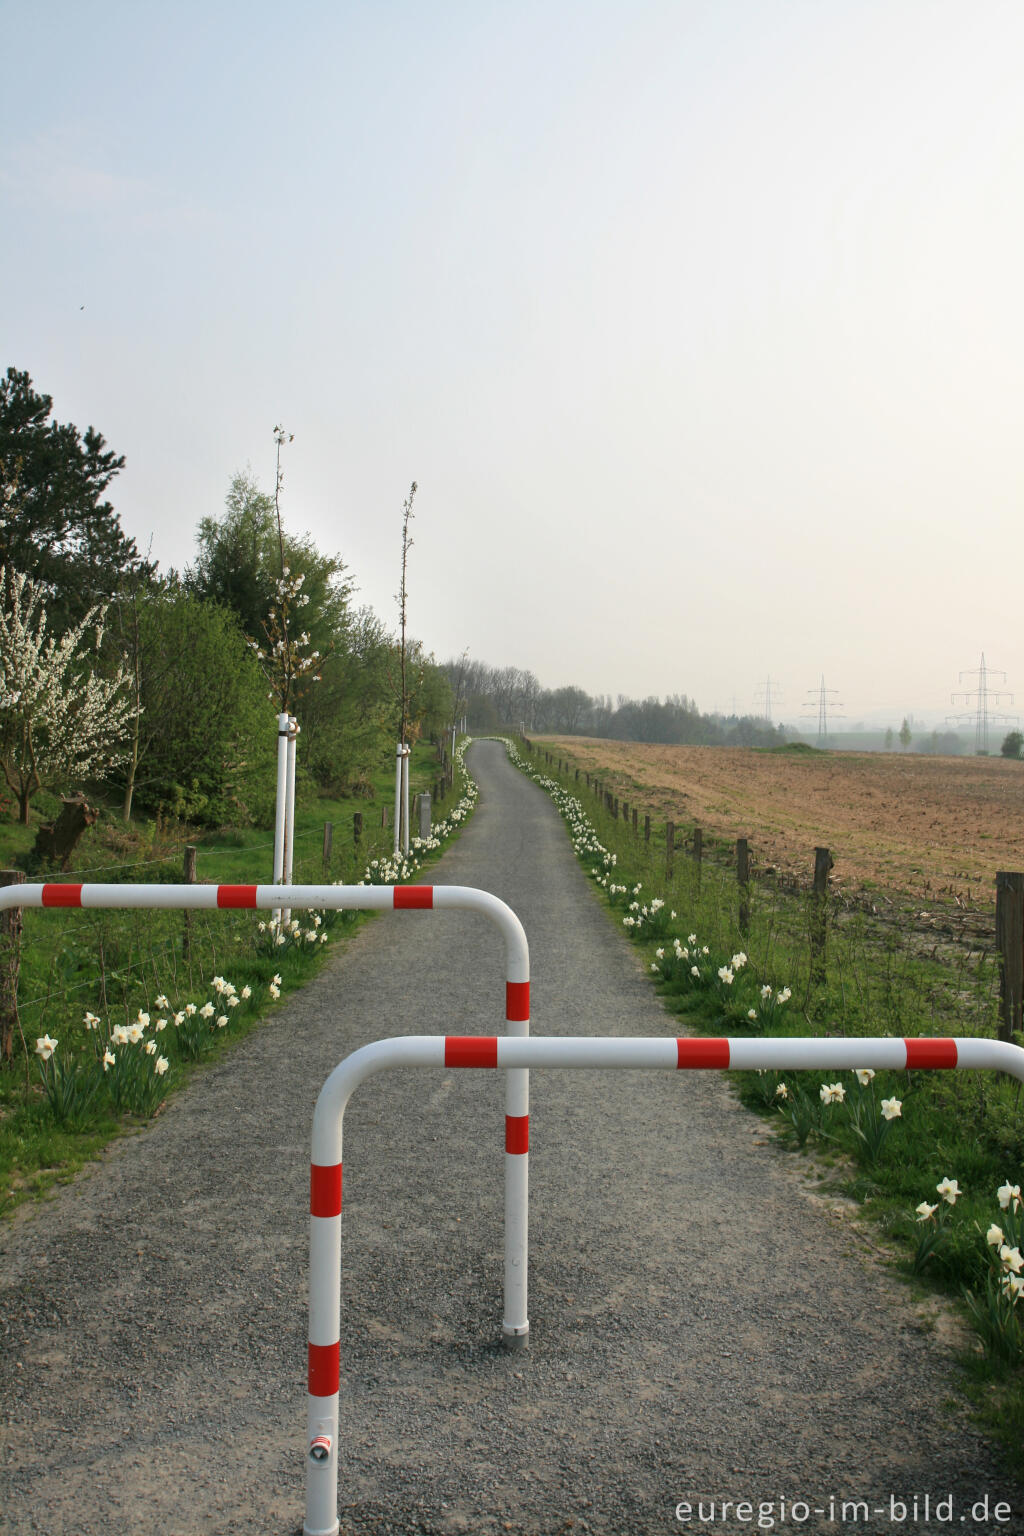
519 1054
515 1326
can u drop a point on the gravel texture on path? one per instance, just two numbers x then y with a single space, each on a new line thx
702 1326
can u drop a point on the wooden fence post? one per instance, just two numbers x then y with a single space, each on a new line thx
698 852
10 961
328 845
189 877
670 848
357 828
615 806
823 862
743 879
647 829
1010 944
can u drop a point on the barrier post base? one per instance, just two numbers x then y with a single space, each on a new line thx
512 1338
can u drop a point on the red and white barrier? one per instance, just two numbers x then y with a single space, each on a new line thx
519 1054
515 1326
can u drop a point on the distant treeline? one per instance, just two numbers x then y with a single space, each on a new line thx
508 698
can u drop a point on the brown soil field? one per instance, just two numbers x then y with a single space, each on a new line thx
935 828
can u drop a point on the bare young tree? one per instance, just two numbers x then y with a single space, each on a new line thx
407 515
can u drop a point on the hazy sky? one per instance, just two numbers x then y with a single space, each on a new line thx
700 325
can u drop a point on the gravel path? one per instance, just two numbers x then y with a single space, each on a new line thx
702 1326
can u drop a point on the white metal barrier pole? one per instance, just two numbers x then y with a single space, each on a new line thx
406 754
289 835
282 800
670 1054
398 799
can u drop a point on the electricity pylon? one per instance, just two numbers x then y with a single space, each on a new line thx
826 709
767 692
981 714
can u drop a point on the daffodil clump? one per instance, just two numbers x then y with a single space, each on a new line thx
994 1307
126 1067
278 934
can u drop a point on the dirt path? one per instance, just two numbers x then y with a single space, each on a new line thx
701 1327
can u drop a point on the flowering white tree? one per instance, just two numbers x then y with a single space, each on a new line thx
286 657
57 717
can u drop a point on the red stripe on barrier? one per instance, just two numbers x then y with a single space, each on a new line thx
930 1053
471 1051
62 895
702 1053
236 896
324 1189
517 1001
517 1134
324 1369
413 897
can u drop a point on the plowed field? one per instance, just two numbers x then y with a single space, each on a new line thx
933 827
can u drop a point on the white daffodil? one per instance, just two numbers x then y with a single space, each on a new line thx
150 1047
179 1018
782 1092
135 1033
142 1019
925 1212
206 1011
752 1014
892 1109
162 1001
119 1034
766 992
91 1021
45 1047
864 1076
738 961
276 980
1007 1193
247 992
994 1236
190 1009
950 1190
222 1021
275 992
160 1065
1011 1258
725 976
108 1060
